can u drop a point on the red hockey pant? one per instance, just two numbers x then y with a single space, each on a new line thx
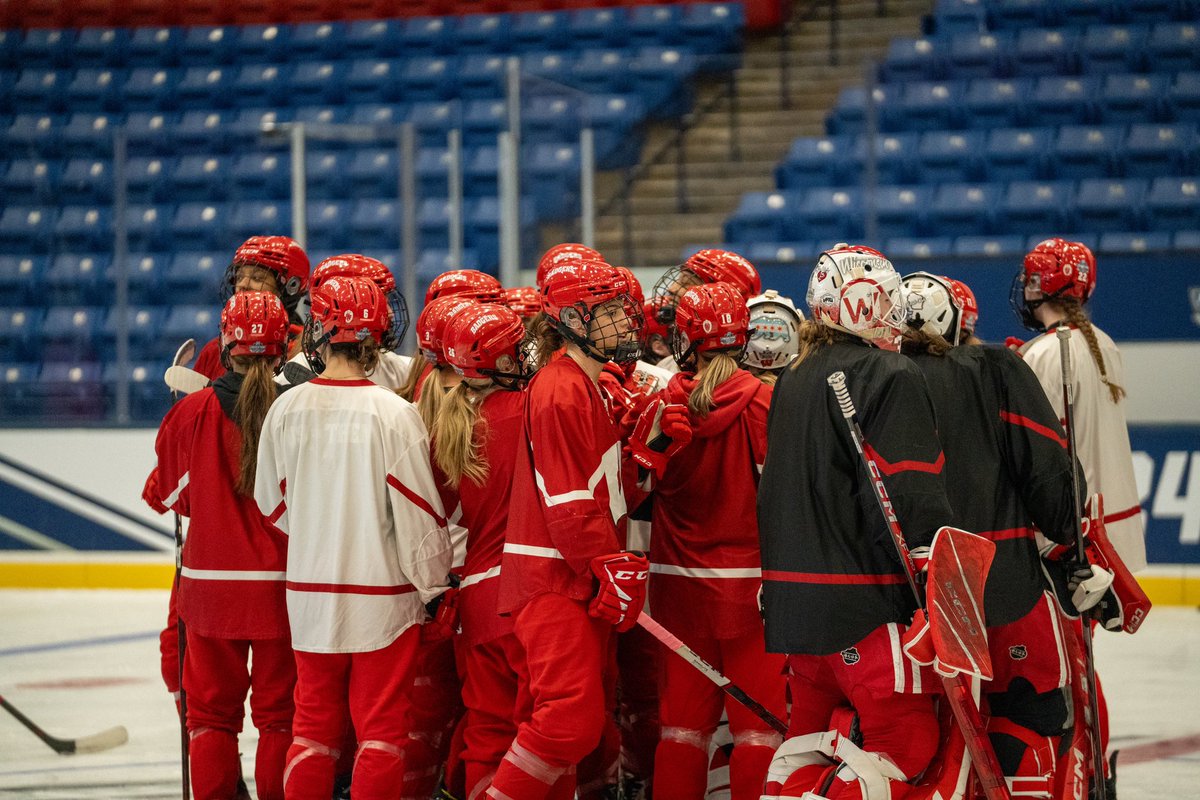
563 714
217 677
491 684
690 708
435 706
334 690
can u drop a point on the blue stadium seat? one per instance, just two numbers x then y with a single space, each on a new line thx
1037 207
546 65
1102 205
257 218
200 226
329 226
814 161
950 156
317 41
249 123
1018 13
207 87
931 105
1187 240
712 28
481 168
261 176
86 180
30 181
900 211
95 89
1017 154
374 173
782 253
151 132
435 261
913 60
70 389
197 275
376 225
433 223
44 47
263 43
432 168
199 177
18 382
209 45
154 47
20 330
86 228
964 209
427 36
147 275
482 229
35 135
848 115
144 323
375 80
602 72
87 132
979 55
551 173
76 325
592 28
1120 242
1146 11
1153 150
1081 13
434 120
548 30
316 117
21 279
1134 98
1184 96
1086 151
831 214
614 118
383 115
40 89
149 226
483 33
547 118
149 89
259 85
660 77
894 159
148 398
482 76
9 39
764 217
901 248
429 79
997 102
208 131
1061 100
325 172
959 16
27 229
1174 46
199 322
1045 51
1112 48
990 245
1173 203
654 25
380 38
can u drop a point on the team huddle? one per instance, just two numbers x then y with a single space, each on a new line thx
453 574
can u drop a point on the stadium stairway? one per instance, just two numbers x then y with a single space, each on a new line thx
714 183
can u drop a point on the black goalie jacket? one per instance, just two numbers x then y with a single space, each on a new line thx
831 574
1007 467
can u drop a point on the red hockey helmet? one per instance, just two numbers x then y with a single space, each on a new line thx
280 255
349 309
1053 270
524 300
486 340
965 299
254 324
713 266
593 306
709 317
635 286
567 251
358 265
432 324
470 283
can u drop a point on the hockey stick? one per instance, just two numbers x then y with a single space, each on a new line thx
958 690
182 356
1089 657
105 740
184 380
729 687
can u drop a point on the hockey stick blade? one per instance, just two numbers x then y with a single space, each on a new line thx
184 380
183 356
97 742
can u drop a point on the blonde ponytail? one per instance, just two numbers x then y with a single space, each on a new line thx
254 400
712 374
455 435
1076 316
408 389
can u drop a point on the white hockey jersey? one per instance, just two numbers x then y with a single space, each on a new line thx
344 472
1101 435
389 373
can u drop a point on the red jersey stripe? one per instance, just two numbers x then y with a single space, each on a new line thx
415 499
1117 516
1011 533
888 468
787 576
1036 427
349 588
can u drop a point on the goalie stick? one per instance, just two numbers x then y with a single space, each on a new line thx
1089 657
97 742
958 690
730 688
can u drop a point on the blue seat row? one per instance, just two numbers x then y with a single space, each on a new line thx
1163 47
1022 102
1001 154
71 389
954 16
971 209
716 27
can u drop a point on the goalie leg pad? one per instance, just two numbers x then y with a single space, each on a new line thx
1032 649
1026 757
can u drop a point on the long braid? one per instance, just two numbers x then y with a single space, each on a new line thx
1076 316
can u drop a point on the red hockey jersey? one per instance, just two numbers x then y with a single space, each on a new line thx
567 503
232 582
704 553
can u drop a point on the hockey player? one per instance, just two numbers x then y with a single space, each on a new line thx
774 335
232 560
704 559
275 264
431 360
835 596
475 434
1055 283
1007 470
354 618
564 576
524 300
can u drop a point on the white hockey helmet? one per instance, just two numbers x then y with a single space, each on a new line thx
857 290
929 306
774 331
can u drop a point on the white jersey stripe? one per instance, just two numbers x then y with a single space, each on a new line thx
231 575
706 572
532 550
479 577
173 497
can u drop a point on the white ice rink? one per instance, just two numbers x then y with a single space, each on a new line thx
78 662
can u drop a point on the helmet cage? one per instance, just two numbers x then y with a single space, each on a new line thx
628 346
667 291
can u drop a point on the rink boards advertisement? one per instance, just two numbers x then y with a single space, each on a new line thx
71 512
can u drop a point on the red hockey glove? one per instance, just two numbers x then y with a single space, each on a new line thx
622 591
1013 343
662 430
920 558
150 493
443 614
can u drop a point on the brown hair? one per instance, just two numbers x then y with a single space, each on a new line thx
915 340
547 338
714 371
1073 310
767 376
408 389
813 336
254 400
457 432
365 353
